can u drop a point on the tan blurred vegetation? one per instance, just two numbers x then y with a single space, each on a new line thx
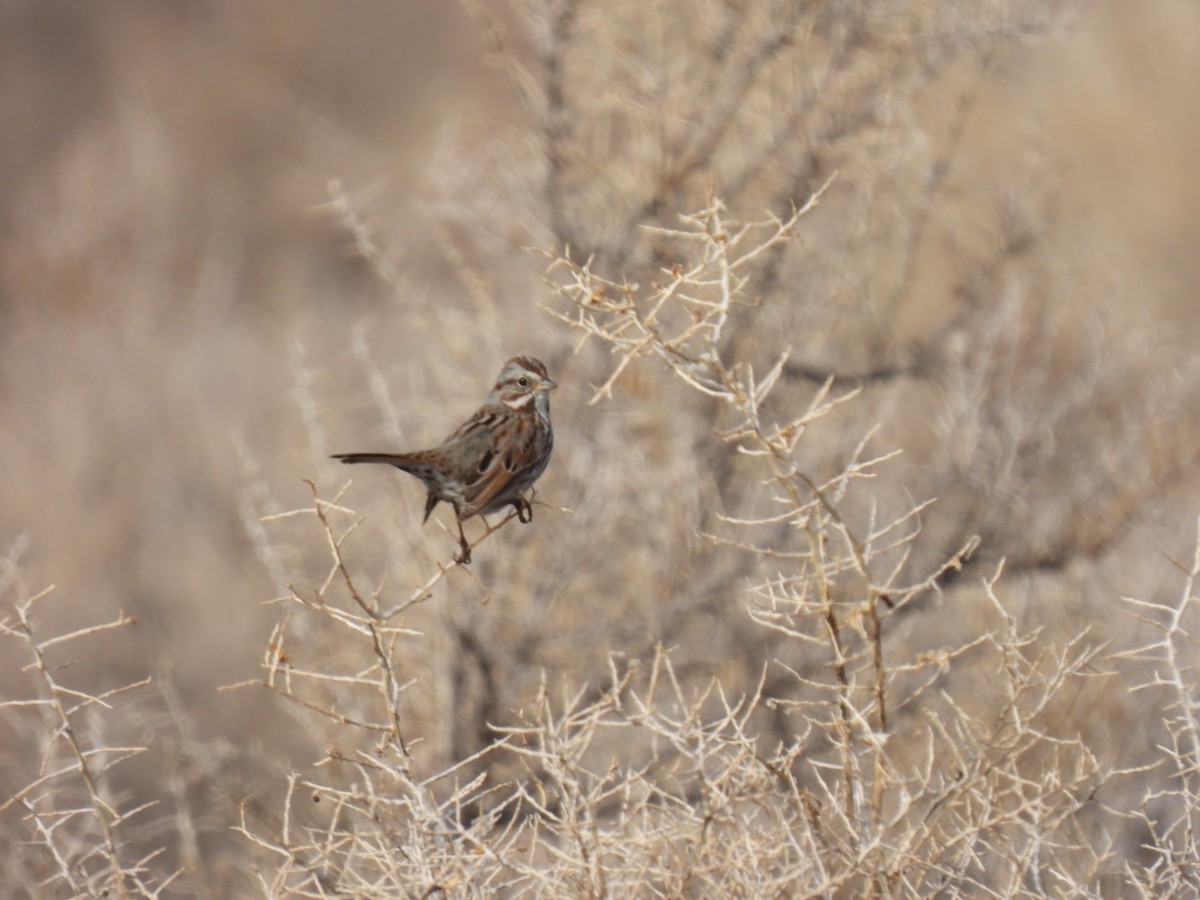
728 658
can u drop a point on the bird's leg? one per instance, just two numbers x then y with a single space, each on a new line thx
465 557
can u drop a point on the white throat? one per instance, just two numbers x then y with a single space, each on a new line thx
518 402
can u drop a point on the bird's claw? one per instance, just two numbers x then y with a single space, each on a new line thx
524 510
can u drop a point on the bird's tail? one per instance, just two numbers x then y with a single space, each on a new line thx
399 460
405 461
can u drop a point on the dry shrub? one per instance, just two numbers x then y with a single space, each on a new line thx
822 596
857 767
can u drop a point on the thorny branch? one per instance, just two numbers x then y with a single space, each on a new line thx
87 762
683 322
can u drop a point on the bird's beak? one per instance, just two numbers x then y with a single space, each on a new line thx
546 385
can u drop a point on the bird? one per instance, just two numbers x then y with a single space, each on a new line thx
493 458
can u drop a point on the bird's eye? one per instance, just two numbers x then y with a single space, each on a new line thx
523 381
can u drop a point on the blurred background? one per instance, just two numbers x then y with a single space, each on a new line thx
238 236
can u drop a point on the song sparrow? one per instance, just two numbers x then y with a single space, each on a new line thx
494 457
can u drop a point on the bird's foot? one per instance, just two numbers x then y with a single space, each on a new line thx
524 510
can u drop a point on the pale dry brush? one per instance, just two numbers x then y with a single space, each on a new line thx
364 820
635 112
82 834
882 777
1163 670
889 808
887 782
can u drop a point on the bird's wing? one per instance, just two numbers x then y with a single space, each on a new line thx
492 467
